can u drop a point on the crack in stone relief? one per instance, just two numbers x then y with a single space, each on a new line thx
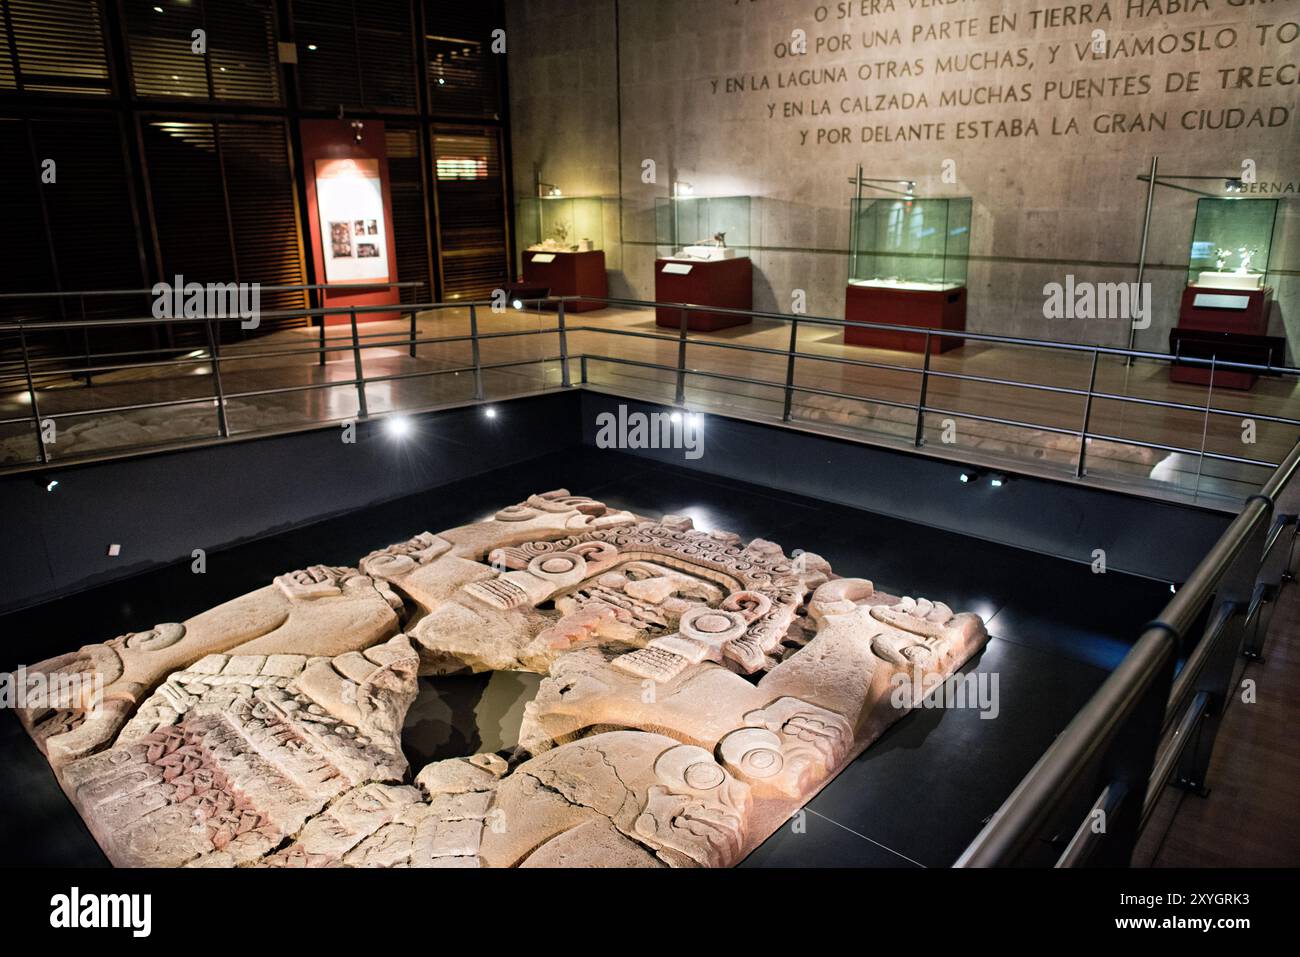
696 692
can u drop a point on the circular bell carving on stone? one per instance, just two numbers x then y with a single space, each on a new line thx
755 752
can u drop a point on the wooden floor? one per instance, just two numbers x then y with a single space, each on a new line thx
1251 815
875 395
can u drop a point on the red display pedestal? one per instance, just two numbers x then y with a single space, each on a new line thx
728 283
930 308
1227 312
569 274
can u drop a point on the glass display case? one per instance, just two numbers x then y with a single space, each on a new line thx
703 228
909 244
562 224
1231 243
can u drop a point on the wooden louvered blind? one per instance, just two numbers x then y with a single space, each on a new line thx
223 203
53 46
77 233
471 211
410 232
464 78
241 64
358 54
89 204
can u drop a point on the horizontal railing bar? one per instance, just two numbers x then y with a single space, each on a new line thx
409 284
647 304
305 350
948 333
1219 456
1086 837
939 373
283 390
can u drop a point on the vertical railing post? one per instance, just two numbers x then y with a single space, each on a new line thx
413 333
31 395
362 411
223 426
474 352
1142 250
1205 426
789 370
582 363
85 335
920 402
565 378
1082 465
321 320
680 398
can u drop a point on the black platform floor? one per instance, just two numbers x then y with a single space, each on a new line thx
914 798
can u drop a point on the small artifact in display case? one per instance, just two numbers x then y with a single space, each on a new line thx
907 267
1227 294
1231 243
700 239
569 224
565 254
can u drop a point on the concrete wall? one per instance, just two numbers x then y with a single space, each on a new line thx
709 91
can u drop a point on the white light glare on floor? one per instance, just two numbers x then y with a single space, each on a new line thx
398 426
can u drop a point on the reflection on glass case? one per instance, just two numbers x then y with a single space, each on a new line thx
1231 242
918 244
562 224
704 228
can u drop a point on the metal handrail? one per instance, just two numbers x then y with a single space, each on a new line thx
310 287
1054 779
352 342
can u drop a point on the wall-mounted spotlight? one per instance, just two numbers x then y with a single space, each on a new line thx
1234 185
518 304
997 480
548 190
683 190
47 483
357 128
969 476
490 412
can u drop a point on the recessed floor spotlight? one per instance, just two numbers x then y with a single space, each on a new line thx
518 304
398 426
